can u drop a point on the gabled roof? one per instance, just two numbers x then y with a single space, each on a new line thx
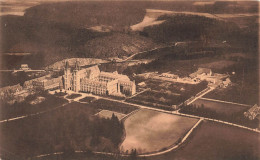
203 70
114 75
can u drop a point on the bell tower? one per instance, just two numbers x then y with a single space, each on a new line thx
76 78
67 76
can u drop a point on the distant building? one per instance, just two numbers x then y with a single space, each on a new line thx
252 112
91 80
13 93
168 75
201 72
48 83
25 67
29 84
8 90
226 82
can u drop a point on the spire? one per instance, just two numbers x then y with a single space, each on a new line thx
77 65
66 65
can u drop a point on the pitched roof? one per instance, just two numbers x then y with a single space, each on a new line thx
114 75
203 70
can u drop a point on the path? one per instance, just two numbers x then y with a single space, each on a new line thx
33 114
147 89
215 100
128 58
20 70
150 108
201 95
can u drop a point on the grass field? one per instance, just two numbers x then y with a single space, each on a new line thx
24 108
218 64
108 114
61 94
149 131
87 99
73 96
221 107
214 141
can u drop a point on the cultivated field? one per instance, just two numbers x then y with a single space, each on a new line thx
216 141
221 107
108 114
165 93
150 131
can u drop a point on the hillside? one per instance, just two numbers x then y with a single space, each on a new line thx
118 45
88 14
183 27
102 29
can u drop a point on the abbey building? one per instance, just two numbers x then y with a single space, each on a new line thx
92 80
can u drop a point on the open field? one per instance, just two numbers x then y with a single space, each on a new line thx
218 64
216 141
108 114
149 131
87 99
60 94
237 93
24 108
221 107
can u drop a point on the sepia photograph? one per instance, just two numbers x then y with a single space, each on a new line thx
129 80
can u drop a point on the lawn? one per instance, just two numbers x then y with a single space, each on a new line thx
108 114
221 107
73 96
217 141
149 131
113 106
87 99
61 94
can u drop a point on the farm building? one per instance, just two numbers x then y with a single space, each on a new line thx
253 112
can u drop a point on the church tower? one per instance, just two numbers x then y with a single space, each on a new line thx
76 78
67 77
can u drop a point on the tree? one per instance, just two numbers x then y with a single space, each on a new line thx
133 155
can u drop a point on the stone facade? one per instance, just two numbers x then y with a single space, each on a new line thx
92 80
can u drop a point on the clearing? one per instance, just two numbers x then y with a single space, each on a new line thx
151 131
